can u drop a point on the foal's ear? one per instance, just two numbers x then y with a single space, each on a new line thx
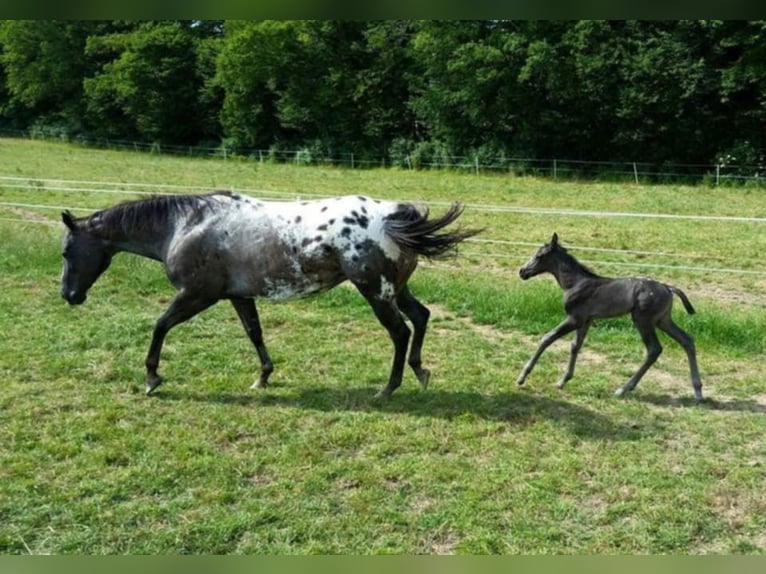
555 239
68 219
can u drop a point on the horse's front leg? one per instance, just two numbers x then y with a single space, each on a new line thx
566 326
182 308
248 314
582 330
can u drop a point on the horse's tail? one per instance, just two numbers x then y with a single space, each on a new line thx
684 299
412 229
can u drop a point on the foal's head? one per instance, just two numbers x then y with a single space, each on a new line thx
86 257
543 259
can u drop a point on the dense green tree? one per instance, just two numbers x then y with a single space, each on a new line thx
660 91
382 92
332 85
248 73
742 63
318 97
43 65
149 85
463 82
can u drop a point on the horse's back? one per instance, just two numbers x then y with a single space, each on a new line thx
601 297
282 250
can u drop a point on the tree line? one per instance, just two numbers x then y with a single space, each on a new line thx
658 91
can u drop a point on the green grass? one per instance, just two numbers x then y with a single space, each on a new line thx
314 464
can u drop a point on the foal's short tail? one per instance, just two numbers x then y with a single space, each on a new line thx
684 299
411 229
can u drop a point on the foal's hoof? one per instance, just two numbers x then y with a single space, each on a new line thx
384 393
259 384
619 392
423 377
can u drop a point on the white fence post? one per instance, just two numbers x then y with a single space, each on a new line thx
717 173
555 171
635 171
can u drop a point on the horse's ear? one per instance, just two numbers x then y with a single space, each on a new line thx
68 219
555 239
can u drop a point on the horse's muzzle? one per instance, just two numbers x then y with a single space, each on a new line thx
524 273
74 298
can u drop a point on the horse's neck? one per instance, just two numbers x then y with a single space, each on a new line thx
569 273
151 243
153 248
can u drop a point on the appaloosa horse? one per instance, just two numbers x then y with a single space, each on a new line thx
229 246
588 296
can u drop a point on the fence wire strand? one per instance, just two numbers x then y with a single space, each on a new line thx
62 185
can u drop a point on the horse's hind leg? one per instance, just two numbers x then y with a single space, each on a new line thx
389 316
653 351
418 314
182 308
687 342
248 314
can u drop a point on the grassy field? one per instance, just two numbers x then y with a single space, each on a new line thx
314 464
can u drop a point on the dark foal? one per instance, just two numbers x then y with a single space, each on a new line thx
587 296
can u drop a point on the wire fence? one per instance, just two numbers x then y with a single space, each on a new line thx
639 172
502 251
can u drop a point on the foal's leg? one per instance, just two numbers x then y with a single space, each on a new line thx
582 330
248 314
388 314
418 314
182 308
566 326
687 342
653 350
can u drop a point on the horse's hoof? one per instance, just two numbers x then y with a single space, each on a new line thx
619 392
520 381
384 393
151 385
259 384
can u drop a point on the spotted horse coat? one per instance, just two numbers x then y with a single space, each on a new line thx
230 246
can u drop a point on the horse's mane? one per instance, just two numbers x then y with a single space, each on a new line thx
147 215
573 262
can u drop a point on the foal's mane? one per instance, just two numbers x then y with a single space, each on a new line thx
148 215
571 261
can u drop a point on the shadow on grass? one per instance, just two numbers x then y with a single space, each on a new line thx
738 405
517 409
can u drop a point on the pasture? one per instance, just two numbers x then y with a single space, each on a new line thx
315 464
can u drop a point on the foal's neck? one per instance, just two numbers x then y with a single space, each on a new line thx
568 272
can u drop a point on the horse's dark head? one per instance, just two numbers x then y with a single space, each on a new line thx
542 260
86 257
